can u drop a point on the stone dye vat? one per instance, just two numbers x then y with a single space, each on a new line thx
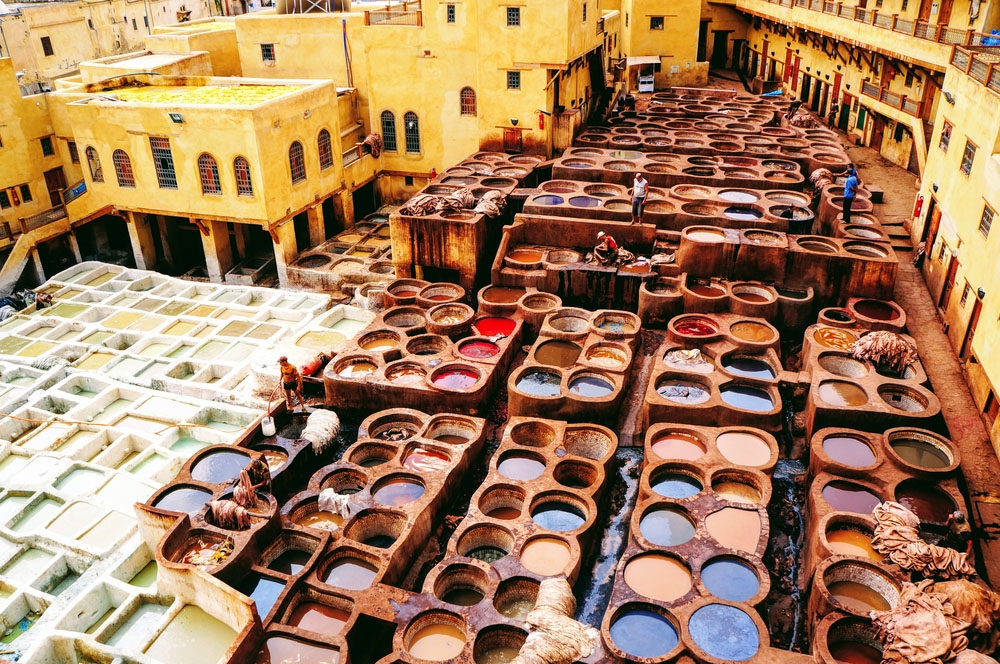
436 353
692 570
460 239
878 398
578 366
666 169
352 258
716 369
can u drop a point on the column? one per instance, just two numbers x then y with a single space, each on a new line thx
74 246
285 249
317 227
218 250
168 254
241 240
141 234
36 261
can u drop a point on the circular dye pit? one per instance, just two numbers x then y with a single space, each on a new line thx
643 633
834 337
502 294
743 449
456 378
705 236
724 632
841 393
319 618
706 290
858 596
754 332
742 214
749 367
848 541
666 526
850 451
736 492
730 579
379 342
607 356
658 577
557 516
526 255
557 353
735 528
738 196
350 574
539 383
854 652
492 326
546 556
684 392
320 520
357 370
902 398
218 467
423 460
920 453
678 447
927 502
437 642
478 349
184 499
584 201
463 596
519 467
398 492
593 387
746 397
695 326
850 497
406 374
675 485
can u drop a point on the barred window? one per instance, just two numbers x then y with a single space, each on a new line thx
411 130
47 149
388 131
297 162
325 151
94 162
208 171
163 161
451 13
945 136
25 193
468 98
74 154
123 169
968 157
965 294
267 52
513 80
513 16
241 167
986 221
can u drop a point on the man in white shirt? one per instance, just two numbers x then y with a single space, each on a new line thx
640 188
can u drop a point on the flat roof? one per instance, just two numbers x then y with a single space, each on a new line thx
149 61
209 95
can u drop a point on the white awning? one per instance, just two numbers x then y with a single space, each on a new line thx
643 60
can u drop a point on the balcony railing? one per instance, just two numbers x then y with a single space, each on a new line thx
909 106
919 29
406 13
74 192
980 64
42 218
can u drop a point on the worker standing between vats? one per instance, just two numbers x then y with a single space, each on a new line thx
606 249
640 189
850 189
291 382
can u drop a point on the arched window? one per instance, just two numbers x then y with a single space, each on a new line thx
388 131
96 174
208 169
241 167
123 169
468 98
325 151
297 162
411 129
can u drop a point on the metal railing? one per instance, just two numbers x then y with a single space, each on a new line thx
979 64
406 13
42 218
600 25
74 192
914 107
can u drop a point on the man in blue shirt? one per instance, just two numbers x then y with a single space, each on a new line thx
850 189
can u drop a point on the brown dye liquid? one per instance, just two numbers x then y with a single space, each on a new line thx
857 596
463 596
504 513
658 577
756 298
380 343
606 357
437 643
735 528
680 446
706 291
546 556
850 542
833 337
283 650
842 393
319 618
920 453
852 652
752 332
557 353
743 449
503 294
406 375
926 502
452 439
321 521
274 458
736 492
525 255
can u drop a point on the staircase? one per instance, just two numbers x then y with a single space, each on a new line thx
36 230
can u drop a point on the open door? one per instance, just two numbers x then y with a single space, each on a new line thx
720 49
949 284
970 332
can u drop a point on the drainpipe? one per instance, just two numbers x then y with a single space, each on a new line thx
347 54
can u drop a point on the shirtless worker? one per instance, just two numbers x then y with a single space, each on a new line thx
291 383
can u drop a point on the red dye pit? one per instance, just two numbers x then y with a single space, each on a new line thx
696 327
456 379
491 326
478 350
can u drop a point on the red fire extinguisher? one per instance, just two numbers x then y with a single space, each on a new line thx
14 197
541 121
918 206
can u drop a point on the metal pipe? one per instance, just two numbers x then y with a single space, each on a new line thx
4 37
347 54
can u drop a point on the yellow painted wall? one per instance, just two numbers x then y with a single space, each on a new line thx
676 43
220 44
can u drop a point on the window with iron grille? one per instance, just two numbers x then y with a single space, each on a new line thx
585 12
513 16
468 98
4 199
986 221
968 157
267 52
325 151
451 13
411 130
388 131
25 193
297 162
47 148
163 161
47 46
944 247
74 154
965 294
945 136
244 186
655 22
94 163
902 7
208 171
513 80
123 169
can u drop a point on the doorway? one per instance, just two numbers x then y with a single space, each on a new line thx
720 49
933 222
966 351
806 86
877 131
949 284
55 182
862 119
702 41
844 122
365 200
817 95
925 10
512 140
